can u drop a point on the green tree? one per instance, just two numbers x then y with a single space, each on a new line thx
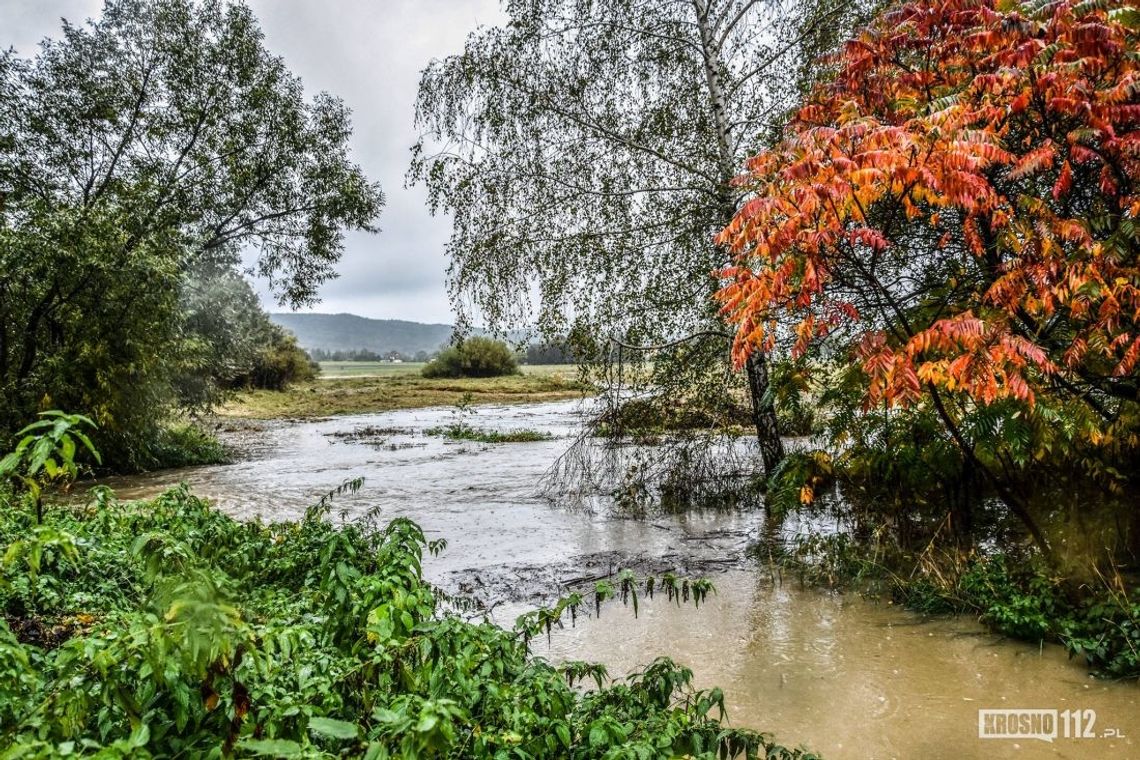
474 357
278 363
588 156
224 330
155 142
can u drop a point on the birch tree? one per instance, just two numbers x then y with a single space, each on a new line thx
586 151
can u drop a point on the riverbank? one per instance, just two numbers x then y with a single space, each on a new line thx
166 628
403 387
1014 593
847 677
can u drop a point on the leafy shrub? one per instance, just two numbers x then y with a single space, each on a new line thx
183 445
645 417
474 357
167 629
279 364
45 454
1016 597
1107 634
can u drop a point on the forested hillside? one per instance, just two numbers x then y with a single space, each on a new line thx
348 332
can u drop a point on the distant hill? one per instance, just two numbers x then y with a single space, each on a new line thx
348 332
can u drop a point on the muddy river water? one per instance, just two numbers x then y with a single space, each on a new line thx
846 677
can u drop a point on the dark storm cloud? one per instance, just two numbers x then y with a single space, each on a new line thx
369 53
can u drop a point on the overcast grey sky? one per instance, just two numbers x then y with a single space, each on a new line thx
368 52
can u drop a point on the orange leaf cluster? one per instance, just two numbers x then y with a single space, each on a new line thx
1013 135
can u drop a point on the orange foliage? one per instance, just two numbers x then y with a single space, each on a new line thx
1012 136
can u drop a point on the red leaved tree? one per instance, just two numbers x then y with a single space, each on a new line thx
960 201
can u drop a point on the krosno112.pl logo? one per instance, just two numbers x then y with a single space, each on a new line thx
1045 725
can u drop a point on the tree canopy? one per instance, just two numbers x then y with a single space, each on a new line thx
157 141
958 205
585 152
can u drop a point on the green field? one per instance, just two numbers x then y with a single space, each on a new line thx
369 369
380 387
332 370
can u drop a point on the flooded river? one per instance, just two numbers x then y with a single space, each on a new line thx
843 676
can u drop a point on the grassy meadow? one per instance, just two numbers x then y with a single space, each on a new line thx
369 369
363 387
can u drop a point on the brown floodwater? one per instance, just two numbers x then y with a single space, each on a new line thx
846 677
849 678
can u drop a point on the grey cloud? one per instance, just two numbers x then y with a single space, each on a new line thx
370 54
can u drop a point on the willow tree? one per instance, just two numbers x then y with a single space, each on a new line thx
586 153
158 140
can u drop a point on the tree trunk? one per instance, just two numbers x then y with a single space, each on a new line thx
764 413
763 409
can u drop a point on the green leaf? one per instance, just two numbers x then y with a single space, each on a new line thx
67 448
9 463
87 443
37 426
271 747
337 729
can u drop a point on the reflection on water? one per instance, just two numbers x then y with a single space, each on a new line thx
845 677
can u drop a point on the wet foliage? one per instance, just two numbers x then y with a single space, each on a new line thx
1013 592
473 357
461 429
165 628
141 154
478 435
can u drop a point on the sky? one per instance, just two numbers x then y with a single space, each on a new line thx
369 53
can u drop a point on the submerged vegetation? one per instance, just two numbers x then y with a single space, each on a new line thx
163 628
460 428
478 435
1016 595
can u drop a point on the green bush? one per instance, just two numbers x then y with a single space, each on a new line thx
1018 597
279 364
182 445
474 357
165 628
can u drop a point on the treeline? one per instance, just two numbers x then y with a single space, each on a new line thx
139 155
534 353
365 355
550 352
